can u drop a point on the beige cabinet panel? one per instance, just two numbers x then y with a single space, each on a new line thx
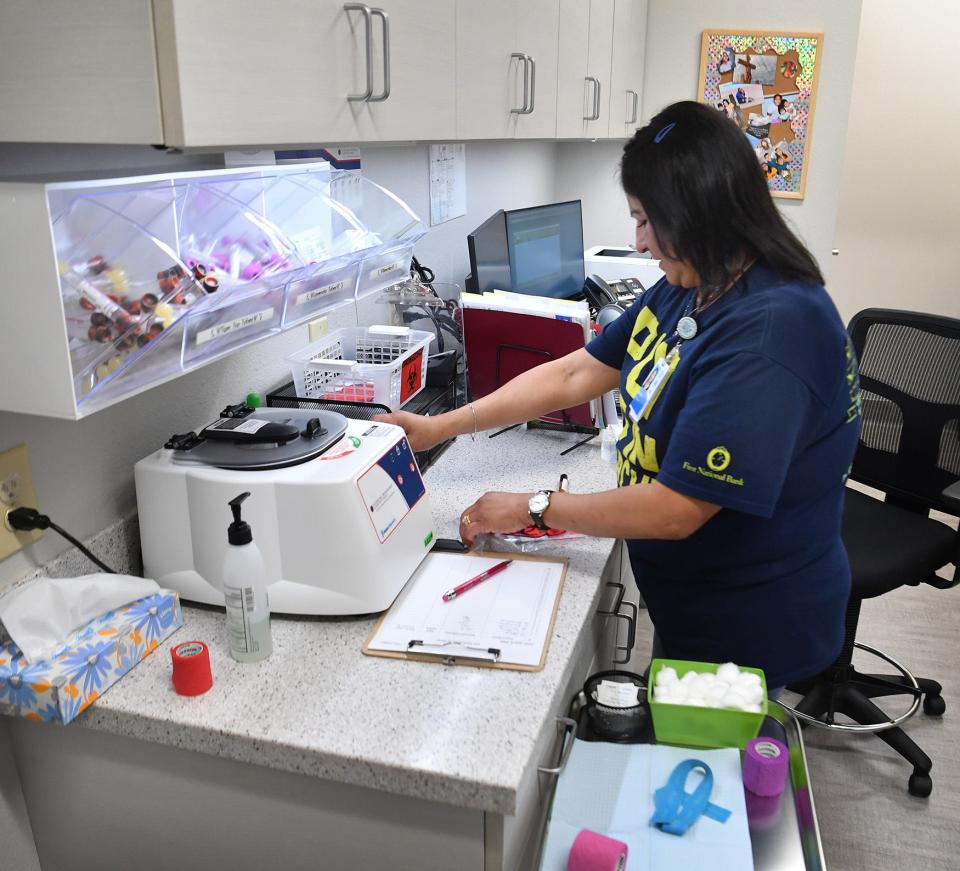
420 57
586 45
626 77
537 36
82 71
489 80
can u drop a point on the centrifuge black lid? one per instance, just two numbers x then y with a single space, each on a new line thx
296 436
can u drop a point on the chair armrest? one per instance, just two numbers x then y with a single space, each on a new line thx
951 495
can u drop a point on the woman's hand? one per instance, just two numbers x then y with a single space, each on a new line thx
494 512
423 432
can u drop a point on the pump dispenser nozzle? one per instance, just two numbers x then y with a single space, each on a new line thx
239 531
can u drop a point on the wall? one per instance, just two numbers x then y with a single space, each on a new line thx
83 470
671 68
898 216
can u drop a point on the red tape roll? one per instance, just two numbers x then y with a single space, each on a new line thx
191 668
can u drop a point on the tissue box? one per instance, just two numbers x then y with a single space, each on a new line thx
91 661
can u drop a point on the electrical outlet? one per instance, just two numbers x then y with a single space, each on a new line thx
317 328
16 489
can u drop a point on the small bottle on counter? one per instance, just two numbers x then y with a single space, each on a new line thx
245 591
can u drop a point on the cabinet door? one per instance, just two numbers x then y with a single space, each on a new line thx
626 77
277 73
572 87
419 55
537 26
599 65
586 43
489 80
82 71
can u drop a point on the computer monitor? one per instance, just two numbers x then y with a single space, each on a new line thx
537 250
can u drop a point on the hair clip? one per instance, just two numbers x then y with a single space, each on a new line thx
660 136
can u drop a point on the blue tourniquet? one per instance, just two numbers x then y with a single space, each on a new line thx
676 809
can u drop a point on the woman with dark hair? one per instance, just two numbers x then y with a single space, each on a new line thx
741 410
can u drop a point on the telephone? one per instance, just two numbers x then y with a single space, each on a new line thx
598 293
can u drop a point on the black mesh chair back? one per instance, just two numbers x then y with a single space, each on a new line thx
910 387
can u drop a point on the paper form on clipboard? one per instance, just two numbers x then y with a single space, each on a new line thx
504 622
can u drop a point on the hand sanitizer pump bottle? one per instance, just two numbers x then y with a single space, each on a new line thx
245 591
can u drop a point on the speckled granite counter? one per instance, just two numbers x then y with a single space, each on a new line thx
457 735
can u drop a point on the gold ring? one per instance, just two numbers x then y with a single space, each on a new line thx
465 519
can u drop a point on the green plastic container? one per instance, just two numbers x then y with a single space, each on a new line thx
693 726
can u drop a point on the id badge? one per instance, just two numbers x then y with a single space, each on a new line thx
652 386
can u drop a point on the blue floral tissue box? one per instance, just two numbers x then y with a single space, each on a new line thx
91 661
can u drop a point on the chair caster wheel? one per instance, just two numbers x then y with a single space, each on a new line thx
934 705
920 784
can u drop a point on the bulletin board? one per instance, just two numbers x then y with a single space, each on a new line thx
766 83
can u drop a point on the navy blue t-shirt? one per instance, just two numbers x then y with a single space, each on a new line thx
761 417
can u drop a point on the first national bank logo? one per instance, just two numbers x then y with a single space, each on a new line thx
718 458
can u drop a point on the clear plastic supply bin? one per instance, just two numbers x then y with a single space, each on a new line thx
158 275
386 365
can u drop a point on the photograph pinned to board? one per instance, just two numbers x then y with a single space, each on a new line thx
766 83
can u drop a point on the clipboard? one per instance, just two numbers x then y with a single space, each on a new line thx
505 622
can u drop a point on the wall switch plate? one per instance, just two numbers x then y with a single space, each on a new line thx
16 489
317 328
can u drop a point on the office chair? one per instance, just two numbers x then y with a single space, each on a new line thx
909 448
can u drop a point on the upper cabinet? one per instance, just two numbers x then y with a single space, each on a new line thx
304 71
206 73
507 69
600 75
78 72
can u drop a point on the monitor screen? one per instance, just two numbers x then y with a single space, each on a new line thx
545 246
537 251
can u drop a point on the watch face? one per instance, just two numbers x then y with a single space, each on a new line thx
539 502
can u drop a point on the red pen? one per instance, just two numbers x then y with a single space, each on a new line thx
450 595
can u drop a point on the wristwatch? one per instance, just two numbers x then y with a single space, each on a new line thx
538 504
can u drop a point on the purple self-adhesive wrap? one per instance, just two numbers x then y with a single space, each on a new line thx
765 764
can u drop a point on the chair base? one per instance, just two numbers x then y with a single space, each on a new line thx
844 690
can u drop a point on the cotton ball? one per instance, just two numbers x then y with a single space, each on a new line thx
753 709
728 672
699 686
733 699
716 694
752 693
748 679
680 692
688 678
708 677
697 702
722 684
663 693
666 675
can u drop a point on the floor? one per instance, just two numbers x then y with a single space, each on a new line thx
868 820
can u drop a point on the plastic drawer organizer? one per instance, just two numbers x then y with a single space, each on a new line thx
119 285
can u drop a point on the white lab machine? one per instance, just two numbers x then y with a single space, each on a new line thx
338 509
614 263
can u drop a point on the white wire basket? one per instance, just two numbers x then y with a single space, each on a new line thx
386 365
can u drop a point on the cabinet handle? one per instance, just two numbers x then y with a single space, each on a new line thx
526 83
368 40
636 104
627 649
569 728
596 99
533 82
385 20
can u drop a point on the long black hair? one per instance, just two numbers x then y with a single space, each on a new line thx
706 197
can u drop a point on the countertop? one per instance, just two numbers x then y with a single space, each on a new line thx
458 735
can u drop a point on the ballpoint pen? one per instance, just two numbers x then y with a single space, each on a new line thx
450 595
